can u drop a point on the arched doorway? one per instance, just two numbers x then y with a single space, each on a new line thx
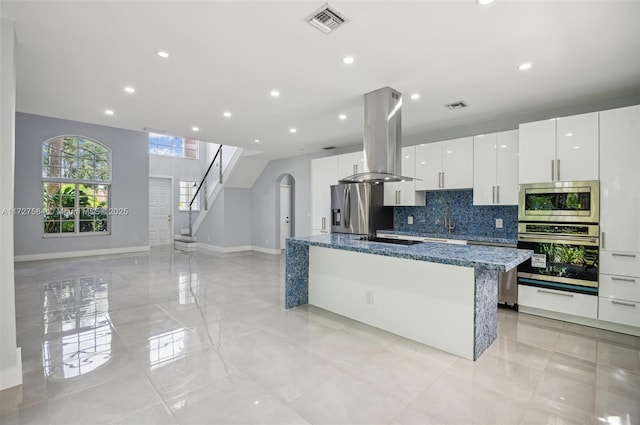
285 209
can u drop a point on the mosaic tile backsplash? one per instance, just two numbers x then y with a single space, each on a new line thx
467 218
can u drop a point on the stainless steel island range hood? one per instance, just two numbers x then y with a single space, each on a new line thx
382 138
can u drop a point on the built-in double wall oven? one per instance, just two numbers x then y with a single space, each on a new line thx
559 223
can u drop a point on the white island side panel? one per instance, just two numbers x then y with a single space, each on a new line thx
427 302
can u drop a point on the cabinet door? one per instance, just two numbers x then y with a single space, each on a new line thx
619 179
507 168
324 173
350 163
457 163
428 166
537 146
577 147
404 193
391 194
484 169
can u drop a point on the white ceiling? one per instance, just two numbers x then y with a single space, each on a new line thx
74 59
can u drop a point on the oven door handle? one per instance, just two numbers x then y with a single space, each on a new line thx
559 239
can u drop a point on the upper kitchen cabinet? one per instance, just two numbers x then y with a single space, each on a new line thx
404 193
560 149
350 164
619 181
324 173
495 168
445 165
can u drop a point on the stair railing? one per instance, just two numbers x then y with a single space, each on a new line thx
202 182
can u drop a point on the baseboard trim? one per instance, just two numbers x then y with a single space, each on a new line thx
88 253
241 248
13 376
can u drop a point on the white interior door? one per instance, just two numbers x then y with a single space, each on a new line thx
285 215
160 211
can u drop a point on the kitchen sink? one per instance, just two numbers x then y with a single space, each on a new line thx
390 240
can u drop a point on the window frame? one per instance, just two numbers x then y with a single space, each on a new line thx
189 186
77 182
174 151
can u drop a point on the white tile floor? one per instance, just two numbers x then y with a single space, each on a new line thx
168 338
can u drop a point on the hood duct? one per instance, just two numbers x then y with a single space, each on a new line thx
382 138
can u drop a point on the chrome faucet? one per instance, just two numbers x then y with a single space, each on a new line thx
448 222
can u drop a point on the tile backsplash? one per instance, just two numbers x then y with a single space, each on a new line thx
467 218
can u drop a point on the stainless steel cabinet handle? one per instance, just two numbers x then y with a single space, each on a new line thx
497 194
617 254
553 168
397 197
622 303
443 179
555 293
324 223
493 200
355 168
558 169
602 240
623 279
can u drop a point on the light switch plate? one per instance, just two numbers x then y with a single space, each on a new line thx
410 220
498 223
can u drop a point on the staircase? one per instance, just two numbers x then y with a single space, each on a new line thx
187 240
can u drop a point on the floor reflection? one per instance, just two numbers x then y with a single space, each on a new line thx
78 334
166 347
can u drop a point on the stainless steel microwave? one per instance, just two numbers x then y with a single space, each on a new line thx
574 202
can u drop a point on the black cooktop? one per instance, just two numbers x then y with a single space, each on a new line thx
390 240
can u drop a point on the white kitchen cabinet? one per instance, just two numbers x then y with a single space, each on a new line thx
445 165
558 301
495 168
404 193
324 173
619 216
559 149
350 164
619 180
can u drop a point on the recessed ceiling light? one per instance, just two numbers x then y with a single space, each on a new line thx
129 89
576 147
162 54
348 60
227 114
292 130
484 2
415 96
194 128
569 134
524 66
407 156
108 111
342 116
256 141
275 93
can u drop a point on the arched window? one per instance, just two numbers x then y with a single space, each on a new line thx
76 176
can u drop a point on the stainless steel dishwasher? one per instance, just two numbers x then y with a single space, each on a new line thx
507 281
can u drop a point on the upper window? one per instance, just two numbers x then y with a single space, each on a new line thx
76 181
161 144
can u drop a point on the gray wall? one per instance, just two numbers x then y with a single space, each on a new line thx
129 187
228 222
180 169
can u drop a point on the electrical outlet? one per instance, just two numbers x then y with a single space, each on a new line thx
499 223
369 297
410 220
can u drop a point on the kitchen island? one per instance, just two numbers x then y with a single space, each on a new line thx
442 295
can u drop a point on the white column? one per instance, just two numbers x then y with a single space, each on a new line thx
10 360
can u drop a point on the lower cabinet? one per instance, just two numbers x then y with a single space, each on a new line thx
559 301
619 311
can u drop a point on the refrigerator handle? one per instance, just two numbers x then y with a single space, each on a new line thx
347 202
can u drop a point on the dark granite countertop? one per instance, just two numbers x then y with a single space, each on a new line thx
483 257
475 238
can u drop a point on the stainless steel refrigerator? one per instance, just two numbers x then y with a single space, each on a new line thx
358 208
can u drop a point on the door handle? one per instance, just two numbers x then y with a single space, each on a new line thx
169 217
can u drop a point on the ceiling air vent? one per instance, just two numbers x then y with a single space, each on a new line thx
328 148
456 105
327 19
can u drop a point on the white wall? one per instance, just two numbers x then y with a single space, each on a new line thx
228 223
10 361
